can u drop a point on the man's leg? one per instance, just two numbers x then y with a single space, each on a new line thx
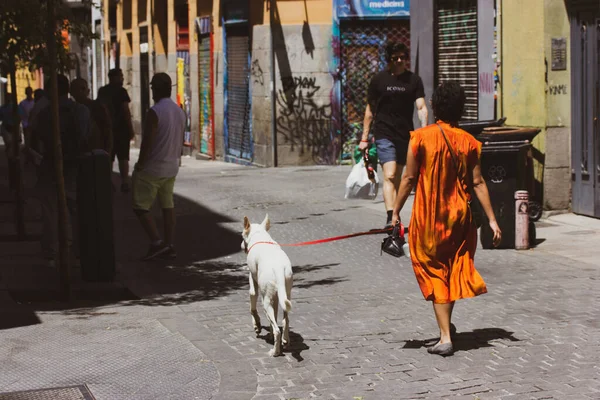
147 222
124 172
389 184
165 198
169 222
144 193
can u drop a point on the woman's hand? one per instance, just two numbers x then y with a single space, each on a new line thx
395 218
363 145
497 233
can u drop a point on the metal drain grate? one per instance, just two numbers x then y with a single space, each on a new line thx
80 392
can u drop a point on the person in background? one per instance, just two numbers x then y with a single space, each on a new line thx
101 129
157 167
443 161
74 126
40 102
25 108
116 99
392 96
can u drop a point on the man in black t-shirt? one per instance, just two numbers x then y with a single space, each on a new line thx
392 96
115 98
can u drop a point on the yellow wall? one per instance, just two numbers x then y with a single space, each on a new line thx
24 79
523 69
558 91
295 12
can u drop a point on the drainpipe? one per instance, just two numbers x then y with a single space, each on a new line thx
273 91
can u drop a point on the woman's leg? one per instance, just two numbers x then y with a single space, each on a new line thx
443 314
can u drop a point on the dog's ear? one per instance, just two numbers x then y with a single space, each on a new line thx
246 224
266 223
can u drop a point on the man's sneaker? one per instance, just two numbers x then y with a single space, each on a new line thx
170 254
155 250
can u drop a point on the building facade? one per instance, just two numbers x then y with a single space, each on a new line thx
283 82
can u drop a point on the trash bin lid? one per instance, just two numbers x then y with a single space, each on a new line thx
507 133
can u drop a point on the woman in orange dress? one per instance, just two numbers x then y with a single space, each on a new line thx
442 234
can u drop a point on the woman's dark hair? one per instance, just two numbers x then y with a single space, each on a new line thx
394 48
448 101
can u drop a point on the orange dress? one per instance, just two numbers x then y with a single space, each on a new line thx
442 235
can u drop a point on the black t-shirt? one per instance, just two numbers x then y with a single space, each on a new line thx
113 97
392 101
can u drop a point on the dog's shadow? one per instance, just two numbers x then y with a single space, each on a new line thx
464 341
295 347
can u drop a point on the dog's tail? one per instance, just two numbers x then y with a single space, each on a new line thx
284 302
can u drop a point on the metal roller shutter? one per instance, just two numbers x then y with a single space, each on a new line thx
456 37
362 56
239 139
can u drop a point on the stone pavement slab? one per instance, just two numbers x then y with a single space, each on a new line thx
359 325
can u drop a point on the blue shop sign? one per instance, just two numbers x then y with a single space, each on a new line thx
373 8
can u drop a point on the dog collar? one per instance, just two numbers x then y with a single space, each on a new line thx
254 244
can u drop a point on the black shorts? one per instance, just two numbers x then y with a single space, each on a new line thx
391 150
120 148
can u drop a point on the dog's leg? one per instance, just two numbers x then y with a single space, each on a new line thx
286 322
276 350
253 298
285 340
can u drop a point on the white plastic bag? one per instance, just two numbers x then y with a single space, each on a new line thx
358 185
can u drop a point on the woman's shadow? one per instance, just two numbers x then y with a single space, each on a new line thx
294 347
464 341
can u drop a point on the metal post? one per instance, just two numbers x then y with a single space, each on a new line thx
272 5
521 220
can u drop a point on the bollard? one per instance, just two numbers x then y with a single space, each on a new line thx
521 220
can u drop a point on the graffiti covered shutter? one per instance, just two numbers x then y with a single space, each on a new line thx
239 139
456 37
204 92
362 56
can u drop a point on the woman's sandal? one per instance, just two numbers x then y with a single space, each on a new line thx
443 350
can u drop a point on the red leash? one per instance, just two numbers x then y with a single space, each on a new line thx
331 239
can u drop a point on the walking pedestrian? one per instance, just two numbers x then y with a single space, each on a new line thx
157 167
116 99
443 161
101 134
25 107
392 96
74 128
35 153
7 118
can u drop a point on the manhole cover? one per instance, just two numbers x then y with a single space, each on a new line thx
80 392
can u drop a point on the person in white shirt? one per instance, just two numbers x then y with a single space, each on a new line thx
157 166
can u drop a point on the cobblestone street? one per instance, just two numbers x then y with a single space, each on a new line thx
359 325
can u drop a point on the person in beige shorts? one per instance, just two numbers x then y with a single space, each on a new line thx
157 167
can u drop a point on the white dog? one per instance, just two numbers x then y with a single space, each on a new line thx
271 277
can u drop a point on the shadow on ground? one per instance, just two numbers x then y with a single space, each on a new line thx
465 341
294 348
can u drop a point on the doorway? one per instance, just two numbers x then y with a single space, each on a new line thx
585 111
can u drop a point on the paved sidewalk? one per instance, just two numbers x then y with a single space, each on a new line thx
359 325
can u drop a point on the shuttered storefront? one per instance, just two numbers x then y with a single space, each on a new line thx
204 81
363 56
456 42
238 136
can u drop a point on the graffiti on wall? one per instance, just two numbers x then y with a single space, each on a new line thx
257 73
557 89
303 120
